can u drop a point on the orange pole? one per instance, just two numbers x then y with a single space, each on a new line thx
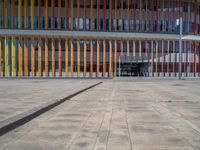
104 58
25 56
85 59
46 58
32 57
59 14
98 55
59 57
66 57
53 57
91 58
52 14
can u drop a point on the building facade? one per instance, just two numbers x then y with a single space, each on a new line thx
99 38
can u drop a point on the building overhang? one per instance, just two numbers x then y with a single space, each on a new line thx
95 35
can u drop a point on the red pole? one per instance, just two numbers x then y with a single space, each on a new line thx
157 15
195 16
199 59
173 57
168 15
194 59
66 14
134 16
185 57
104 15
163 58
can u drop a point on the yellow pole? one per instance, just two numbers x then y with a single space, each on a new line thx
134 48
32 14
128 48
13 57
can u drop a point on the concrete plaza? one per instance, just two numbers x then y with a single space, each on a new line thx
115 115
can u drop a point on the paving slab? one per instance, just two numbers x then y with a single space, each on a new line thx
19 98
117 115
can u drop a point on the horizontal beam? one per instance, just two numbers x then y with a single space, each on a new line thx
94 35
192 37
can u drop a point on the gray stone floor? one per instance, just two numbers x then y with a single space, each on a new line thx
20 96
116 115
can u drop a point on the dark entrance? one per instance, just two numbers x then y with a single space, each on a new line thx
138 69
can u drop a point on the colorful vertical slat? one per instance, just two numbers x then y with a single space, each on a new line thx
91 14
78 14
156 58
84 58
0 57
110 59
46 57
66 57
6 57
32 14
72 57
53 57
59 57
25 56
104 15
91 58
104 57
152 58
52 14
32 57
20 57
128 48
46 14
115 58
39 58
13 13
39 13
110 15
66 15
98 55
78 58
72 15
59 14
13 57
134 48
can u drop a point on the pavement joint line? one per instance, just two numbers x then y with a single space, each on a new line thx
22 119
